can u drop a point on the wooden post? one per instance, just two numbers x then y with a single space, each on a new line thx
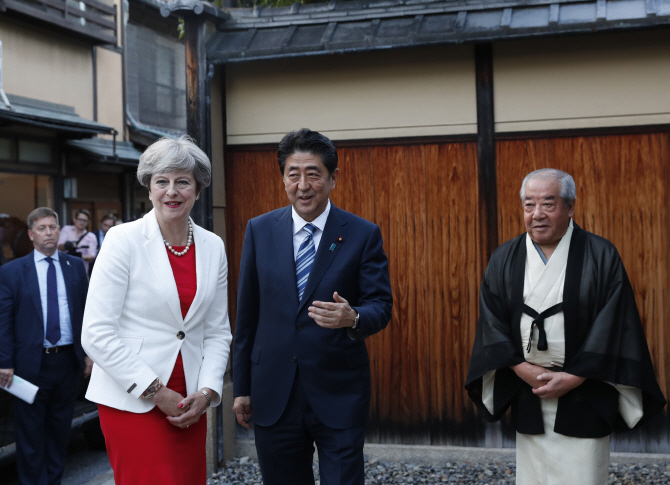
197 113
486 150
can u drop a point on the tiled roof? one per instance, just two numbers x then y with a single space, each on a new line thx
57 117
359 25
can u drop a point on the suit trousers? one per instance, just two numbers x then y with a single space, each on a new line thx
286 449
42 429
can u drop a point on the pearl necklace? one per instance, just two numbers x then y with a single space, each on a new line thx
188 243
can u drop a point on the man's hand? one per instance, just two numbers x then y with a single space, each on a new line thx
529 373
555 384
6 376
168 401
242 410
332 315
88 366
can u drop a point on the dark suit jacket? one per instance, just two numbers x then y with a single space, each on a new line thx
274 335
21 317
98 235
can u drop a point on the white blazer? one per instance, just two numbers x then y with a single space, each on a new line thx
133 323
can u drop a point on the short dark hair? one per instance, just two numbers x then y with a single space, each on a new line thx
39 213
108 217
306 140
83 211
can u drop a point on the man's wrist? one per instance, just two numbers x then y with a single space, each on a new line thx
354 326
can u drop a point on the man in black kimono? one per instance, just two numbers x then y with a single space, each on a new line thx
559 339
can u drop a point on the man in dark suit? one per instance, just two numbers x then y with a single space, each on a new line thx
313 284
106 223
42 297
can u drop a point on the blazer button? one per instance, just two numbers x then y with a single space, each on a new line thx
181 335
294 359
300 327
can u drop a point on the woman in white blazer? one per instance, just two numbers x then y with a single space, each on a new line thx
156 326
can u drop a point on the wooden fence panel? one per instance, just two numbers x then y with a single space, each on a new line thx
424 198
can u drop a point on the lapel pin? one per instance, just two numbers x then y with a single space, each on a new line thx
332 247
68 263
340 239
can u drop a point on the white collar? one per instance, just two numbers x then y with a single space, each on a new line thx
39 256
320 222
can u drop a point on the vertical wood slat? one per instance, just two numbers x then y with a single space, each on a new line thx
422 197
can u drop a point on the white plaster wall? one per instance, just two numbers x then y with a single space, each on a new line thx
582 82
110 90
46 66
424 92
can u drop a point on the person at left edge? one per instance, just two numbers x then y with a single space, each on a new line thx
42 297
156 326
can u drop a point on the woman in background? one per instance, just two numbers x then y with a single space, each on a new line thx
82 243
156 326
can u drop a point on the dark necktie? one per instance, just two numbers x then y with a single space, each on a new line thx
305 259
53 313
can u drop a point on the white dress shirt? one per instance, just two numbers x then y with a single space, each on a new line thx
42 265
299 233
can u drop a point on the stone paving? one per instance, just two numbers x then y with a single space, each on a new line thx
245 471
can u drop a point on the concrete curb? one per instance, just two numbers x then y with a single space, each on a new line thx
444 454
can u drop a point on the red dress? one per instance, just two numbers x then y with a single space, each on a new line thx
144 447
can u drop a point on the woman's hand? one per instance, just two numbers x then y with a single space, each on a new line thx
193 406
168 401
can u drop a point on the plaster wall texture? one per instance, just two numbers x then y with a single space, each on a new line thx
402 93
594 81
582 82
46 66
110 90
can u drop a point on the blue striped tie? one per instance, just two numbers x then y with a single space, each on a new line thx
305 259
53 312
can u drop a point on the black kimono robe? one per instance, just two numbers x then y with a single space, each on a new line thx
604 341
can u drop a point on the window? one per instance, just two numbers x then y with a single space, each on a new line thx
35 152
156 66
27 151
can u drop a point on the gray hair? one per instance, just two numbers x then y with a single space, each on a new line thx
39 213
568 188
173 155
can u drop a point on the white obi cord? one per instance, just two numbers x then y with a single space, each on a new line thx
542 289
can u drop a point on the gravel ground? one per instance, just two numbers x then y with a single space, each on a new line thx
244 471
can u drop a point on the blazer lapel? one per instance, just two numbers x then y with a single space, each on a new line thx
32 283
282 236
202 269
335 228
160 265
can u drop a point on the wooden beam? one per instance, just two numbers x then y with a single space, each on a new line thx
486 150
196 104
66 21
